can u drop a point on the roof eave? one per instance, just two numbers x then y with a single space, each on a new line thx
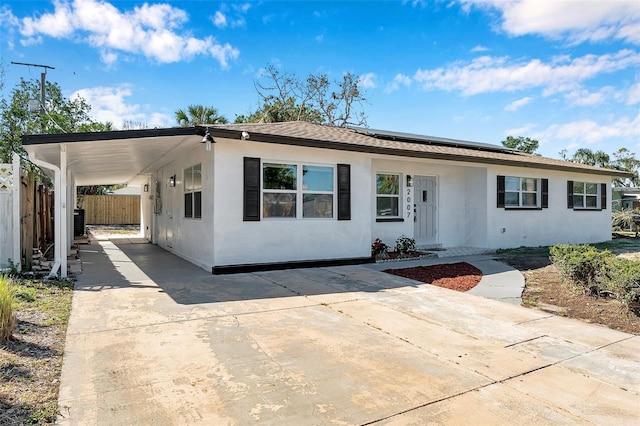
103 136
317 143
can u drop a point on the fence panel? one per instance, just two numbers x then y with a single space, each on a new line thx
111 209
6 215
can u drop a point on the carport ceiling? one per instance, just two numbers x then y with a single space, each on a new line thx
104 158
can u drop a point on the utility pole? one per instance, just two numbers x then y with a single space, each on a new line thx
43 77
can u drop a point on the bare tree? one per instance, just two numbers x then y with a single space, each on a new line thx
285 97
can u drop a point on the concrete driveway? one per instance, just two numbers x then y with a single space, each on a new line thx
154 340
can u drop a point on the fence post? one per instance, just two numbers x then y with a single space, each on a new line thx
17 259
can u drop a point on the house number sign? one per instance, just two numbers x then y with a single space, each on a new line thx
408 202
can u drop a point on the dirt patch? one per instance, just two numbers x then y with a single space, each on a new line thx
459 276
544 290
31 362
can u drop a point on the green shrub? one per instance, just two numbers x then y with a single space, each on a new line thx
624 282
583 265
7 317
379 249
405 245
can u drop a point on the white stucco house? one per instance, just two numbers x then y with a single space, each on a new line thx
271 195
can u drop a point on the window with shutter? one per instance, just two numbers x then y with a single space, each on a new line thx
514 192
586 195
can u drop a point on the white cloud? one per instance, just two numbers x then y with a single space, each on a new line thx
479 49
499 74
577 21
590 131
319 38
108 104
582 97
633 97
398 80
219 20
152 30
515 105
368 80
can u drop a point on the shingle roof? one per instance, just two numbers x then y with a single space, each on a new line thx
392 143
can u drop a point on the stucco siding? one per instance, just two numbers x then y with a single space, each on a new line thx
553 225
280 239
189 238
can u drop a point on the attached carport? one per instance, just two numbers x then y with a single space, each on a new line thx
99 158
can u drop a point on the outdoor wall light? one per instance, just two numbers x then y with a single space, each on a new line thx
207 140
172 181
409 181
145 188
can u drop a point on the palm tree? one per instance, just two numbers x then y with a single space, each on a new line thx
199 114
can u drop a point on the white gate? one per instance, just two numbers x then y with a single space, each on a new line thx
10 214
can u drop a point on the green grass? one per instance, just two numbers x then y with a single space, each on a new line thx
30 363
525 251
7 317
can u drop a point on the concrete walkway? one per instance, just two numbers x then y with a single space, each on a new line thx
154 340
499 280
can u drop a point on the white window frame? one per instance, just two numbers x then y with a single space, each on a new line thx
521 192
396 196
584 196
300 191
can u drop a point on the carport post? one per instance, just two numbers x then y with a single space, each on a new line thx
60 208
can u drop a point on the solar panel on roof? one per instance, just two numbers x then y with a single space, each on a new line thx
430 140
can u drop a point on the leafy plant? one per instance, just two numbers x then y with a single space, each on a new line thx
379 249
405 245
581 264
623 219
7 317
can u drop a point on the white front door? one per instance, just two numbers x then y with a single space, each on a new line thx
425 227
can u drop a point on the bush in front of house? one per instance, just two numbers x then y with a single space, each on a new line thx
623 282
405 245
379 250
582 265
598 273
7 317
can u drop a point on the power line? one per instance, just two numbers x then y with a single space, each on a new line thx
43 77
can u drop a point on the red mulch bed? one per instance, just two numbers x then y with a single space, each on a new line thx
459 276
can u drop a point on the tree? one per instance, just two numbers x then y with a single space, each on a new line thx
625 160
521 143
61 116
285 97
199 114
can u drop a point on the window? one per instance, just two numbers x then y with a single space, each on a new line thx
282 191
521 192
193 192
387 195
586 195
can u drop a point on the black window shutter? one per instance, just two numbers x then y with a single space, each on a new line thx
500 191
251 196
569 194
344 192
603 196
545 193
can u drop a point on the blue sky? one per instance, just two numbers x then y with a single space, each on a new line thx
563 72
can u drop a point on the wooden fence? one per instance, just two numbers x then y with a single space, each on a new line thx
111 209
36 209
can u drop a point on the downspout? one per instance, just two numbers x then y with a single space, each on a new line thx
59 240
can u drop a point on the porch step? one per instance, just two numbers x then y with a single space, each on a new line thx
429 247
458 251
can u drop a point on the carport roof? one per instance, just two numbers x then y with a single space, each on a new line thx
127 156
99 158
